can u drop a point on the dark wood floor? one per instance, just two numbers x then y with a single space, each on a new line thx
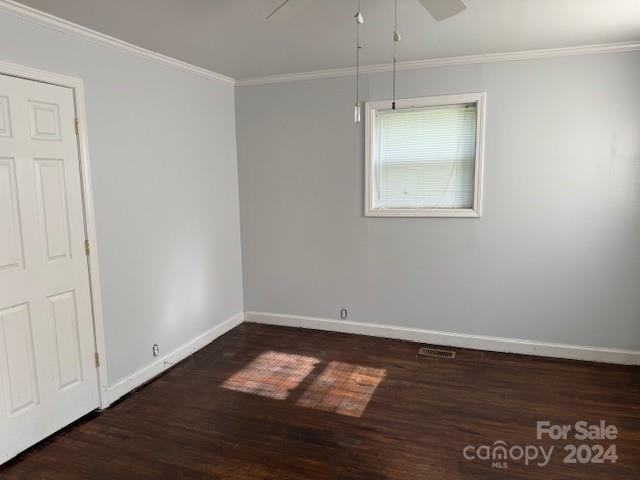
278 403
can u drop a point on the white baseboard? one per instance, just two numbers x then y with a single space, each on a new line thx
433 337
133 381
452 339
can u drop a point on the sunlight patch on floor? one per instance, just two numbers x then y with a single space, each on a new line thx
272 375
343 388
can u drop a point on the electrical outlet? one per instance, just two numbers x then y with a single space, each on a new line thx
156 350
344 314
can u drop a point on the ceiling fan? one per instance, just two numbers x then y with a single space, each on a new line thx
438 9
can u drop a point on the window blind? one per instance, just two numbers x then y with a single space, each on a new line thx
425 157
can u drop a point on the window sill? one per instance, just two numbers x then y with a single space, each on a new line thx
423 212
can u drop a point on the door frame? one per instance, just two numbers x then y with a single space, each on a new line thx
77 86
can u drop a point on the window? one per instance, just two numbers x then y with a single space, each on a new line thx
424 159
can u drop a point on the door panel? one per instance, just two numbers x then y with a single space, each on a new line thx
65 323
10 229
48 376
17 339
45 121
5 118
52 203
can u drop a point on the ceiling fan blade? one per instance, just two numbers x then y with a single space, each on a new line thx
288 9
443 9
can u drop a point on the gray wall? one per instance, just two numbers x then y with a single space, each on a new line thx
163 157
556 256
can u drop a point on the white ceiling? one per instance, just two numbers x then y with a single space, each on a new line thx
231 37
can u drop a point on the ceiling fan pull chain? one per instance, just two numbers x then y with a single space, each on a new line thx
359 21
396 39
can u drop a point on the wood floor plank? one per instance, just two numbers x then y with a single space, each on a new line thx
266 402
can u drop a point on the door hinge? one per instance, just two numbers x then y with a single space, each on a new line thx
87 249
77 123
97 358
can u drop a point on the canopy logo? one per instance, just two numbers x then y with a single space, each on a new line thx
500 453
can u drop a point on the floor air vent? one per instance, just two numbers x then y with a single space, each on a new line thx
434 352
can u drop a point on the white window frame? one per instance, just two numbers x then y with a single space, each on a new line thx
371 110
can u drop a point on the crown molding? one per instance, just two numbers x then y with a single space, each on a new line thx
19 10
31 14
447 61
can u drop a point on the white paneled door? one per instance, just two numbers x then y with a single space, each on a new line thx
48 374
